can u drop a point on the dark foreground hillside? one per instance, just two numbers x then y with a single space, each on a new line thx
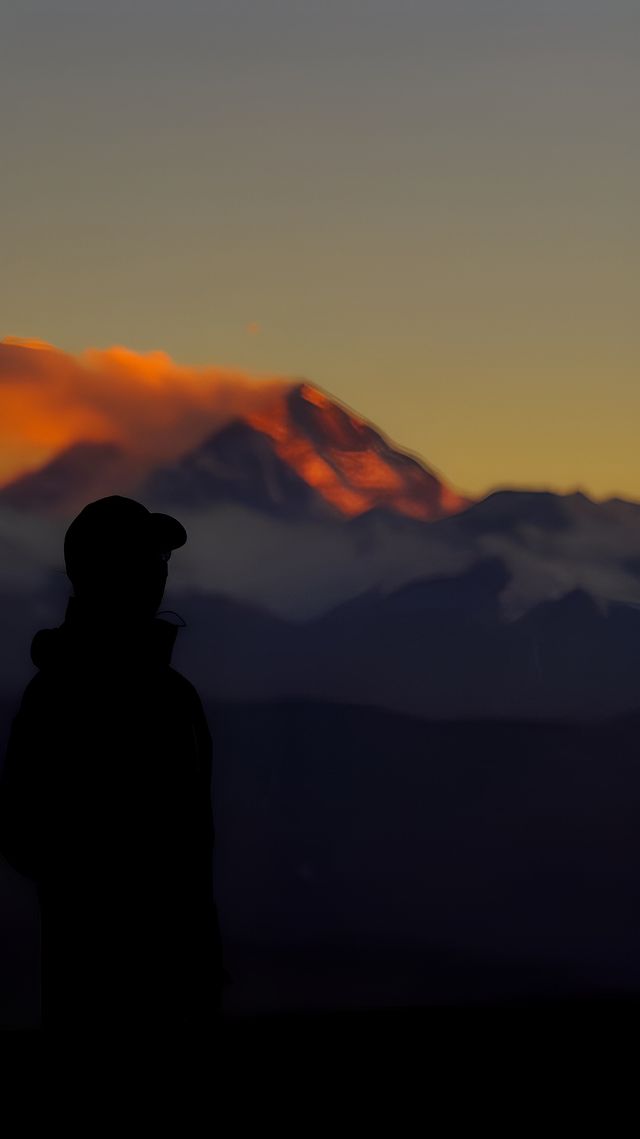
370 861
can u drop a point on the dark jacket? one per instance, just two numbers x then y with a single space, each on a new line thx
106 804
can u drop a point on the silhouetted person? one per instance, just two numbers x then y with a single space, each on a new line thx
105 797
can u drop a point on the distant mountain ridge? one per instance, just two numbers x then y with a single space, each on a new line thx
436 648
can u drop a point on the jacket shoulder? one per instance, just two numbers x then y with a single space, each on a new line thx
183 687
187 694
38 689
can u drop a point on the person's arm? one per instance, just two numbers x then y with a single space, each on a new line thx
207 834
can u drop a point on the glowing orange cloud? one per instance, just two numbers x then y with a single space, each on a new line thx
147 403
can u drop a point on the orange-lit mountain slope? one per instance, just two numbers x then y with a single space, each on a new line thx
347 461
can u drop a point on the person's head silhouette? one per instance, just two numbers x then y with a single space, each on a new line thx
116 553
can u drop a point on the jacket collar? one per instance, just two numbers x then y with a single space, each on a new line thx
97 638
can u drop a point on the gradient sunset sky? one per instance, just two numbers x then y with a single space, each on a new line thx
430 209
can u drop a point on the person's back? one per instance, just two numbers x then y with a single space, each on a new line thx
106 804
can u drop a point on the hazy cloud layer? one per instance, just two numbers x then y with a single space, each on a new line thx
302 569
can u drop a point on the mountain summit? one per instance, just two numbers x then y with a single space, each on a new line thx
347 461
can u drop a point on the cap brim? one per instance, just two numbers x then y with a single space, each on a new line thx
168 532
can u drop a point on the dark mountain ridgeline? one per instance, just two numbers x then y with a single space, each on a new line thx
504 511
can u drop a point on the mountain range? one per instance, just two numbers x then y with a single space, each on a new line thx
324 561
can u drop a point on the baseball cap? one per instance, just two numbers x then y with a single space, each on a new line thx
115 524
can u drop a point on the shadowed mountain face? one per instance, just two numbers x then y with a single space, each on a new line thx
79 473
237 464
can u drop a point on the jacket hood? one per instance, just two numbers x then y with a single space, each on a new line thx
79 639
